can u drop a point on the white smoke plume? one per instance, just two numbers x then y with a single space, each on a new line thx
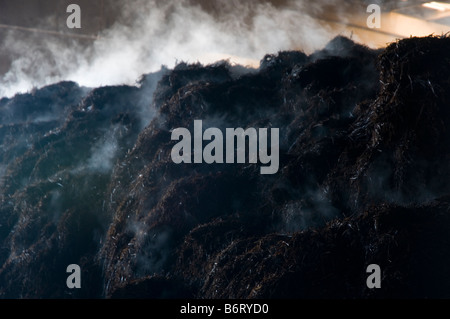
149 34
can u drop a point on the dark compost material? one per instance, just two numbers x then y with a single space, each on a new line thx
87 178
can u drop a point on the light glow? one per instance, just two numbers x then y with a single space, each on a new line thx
440 6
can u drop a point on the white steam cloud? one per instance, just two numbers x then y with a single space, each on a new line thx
149 34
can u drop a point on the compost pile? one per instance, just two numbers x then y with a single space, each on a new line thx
87 178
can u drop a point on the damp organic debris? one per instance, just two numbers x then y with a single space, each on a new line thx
363 175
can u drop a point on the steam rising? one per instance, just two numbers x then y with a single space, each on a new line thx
149 34
103 155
